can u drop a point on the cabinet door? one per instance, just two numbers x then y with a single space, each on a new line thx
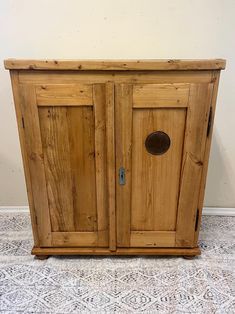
65 135
161 132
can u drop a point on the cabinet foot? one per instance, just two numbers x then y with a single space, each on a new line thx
189 256
41 257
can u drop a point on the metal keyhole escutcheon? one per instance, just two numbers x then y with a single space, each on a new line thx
157 143
122 176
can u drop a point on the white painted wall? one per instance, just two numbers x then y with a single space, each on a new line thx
120 29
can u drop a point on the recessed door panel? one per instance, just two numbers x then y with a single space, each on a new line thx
155 178
69 154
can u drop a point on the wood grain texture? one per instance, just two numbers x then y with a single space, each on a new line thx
193 158
152 239
187 208
120 251
75 150
64 94
110 142
35 159
55 141
81 135
68 145
122 65
99 99
160 95
20 123
123 127
155 179
215 79
78 239
129 77
74 239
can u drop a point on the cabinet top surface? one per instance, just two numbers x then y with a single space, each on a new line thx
121 65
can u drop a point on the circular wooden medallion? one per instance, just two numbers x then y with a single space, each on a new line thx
157 143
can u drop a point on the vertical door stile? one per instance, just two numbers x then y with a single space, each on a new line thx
110 137
36 163
123 127
99 98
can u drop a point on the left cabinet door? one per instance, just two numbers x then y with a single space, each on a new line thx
65 136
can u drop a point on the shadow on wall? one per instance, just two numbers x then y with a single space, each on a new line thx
12 187
219 187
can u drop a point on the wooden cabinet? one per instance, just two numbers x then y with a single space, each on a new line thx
115 153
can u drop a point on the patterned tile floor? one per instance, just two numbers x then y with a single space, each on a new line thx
117 284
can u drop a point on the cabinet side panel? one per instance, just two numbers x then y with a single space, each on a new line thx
16 93
215 80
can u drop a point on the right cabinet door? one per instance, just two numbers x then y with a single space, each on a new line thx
161 132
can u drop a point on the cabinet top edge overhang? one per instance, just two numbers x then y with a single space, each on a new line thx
121 65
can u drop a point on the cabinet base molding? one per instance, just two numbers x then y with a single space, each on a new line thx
121 251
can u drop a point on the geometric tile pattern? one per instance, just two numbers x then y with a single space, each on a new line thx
117 284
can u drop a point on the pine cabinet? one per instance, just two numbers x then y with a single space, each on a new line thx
115 152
